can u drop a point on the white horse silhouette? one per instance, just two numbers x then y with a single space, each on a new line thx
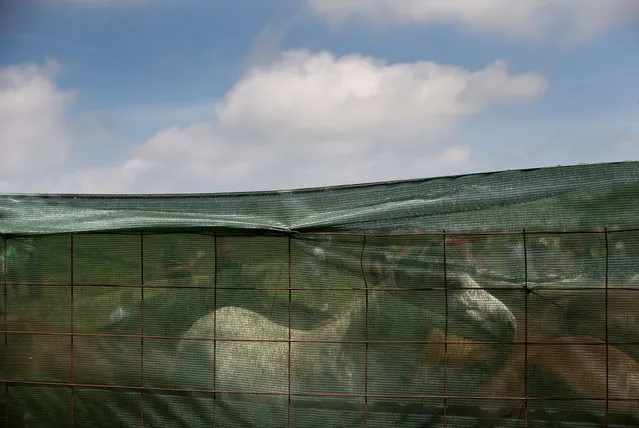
249 364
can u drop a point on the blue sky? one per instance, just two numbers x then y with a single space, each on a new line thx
142 96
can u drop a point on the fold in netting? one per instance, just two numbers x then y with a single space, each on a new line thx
583 197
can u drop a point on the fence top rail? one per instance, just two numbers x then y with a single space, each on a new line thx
591 197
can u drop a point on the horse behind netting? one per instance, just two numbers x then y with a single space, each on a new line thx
265 373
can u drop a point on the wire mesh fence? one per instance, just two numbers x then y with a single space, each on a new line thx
423 329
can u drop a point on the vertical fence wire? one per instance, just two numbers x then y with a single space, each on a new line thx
290 304
526 292
142 328
606 322
72 350
6 334
445 329
361 263
215 285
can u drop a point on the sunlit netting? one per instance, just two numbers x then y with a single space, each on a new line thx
488 300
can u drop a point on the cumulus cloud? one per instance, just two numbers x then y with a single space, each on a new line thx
317 96
34 134
112 179
316 119
311 119
573 20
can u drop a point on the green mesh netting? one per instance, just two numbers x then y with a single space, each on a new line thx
506 299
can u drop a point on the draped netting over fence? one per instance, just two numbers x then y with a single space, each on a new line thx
506 299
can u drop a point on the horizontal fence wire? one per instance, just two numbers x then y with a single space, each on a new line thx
582 287
316 394
337 341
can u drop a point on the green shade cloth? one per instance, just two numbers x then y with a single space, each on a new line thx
327 307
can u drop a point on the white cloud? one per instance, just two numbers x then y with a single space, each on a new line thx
306 96
34 135
571 20
313 119
122 178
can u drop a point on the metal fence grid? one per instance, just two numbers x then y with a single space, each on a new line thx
529 409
